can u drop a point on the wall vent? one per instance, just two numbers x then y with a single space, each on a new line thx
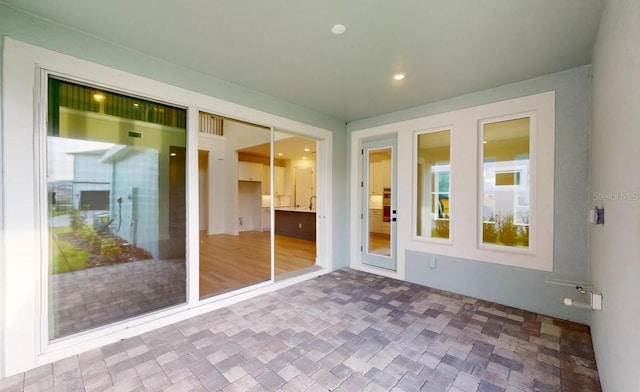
210 124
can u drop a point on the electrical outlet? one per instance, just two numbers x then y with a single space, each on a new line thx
432 262
596 301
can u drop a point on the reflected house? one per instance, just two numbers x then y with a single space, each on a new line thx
91 181
134 204
506 190
109 180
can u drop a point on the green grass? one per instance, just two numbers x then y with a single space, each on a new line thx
58 212
66 258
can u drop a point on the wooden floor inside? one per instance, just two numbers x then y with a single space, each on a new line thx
229 262
380 244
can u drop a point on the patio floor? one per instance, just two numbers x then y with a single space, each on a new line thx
345 331
82 300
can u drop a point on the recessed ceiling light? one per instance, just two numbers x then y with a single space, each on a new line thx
307 149
399 75
338 29
484 142
280 154
304 157
98 97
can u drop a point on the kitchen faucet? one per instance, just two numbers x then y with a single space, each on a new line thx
311 202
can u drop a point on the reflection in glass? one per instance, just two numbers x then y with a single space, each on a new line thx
434 211
116 168
505 178
379 203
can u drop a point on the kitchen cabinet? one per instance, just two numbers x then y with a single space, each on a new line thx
385 227
386 173
375 178
249 171
266 219
278 185
266 180
298 224
375 221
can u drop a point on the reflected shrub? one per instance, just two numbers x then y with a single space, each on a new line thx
507 230
489 233
76 220
110 248
88 234
442 228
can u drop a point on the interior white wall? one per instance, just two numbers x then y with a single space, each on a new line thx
615 249
203 191
216 183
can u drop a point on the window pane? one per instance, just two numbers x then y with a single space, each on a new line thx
116 170
434 212
379 205
505 178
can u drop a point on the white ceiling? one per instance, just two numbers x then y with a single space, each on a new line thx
284 48
291 147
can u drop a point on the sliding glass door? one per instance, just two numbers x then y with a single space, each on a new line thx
116 170
116 213
235 240
258 203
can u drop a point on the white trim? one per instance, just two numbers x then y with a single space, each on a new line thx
40 159
193 209
533 180
272 212
464 185
3 291
357 207
25 347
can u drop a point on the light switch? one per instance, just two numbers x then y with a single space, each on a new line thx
432 262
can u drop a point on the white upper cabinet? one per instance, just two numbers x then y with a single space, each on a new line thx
278 185
375 178
249 171
386 173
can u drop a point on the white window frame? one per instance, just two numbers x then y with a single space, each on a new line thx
532 182
463 185
414 235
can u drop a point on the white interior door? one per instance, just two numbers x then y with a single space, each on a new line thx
304 187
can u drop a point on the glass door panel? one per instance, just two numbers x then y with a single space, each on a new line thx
295 202
116 184
379 216
235 237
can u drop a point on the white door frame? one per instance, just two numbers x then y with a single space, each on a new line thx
366 257
357 207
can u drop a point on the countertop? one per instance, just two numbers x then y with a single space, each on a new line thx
293 209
